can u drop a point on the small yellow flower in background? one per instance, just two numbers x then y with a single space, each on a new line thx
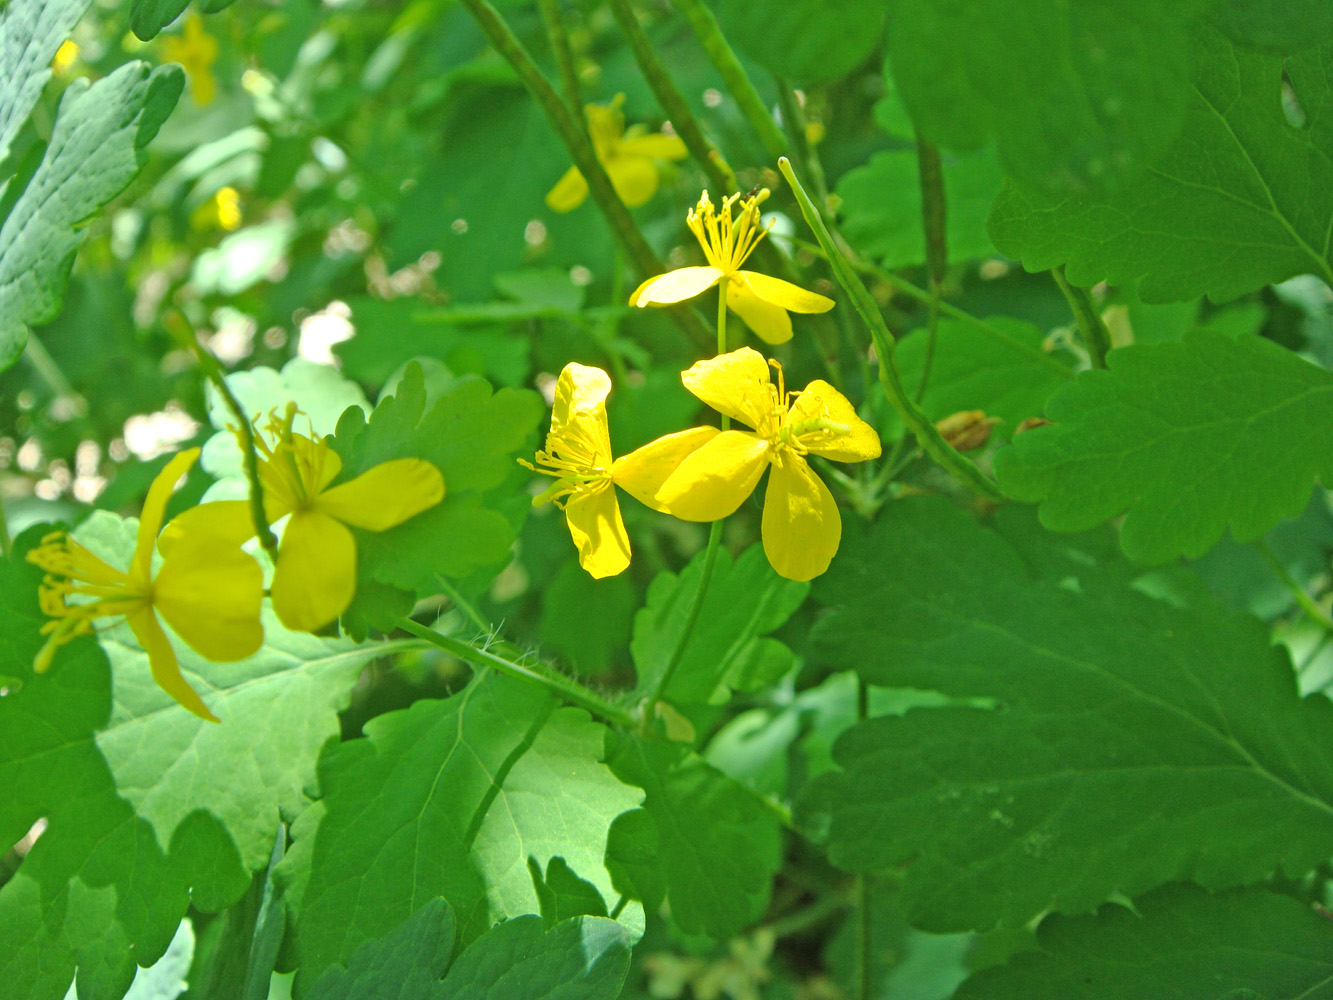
763 302
196 50
206 589
315 577
65 58
629 157
578 456
222 211
801 526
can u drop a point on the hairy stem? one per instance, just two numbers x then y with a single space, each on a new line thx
1096 338
564 57
930 439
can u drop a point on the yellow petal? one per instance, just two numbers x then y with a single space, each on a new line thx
209 591
385 495
675 286
801 527
578 416
642 472
598 532
315 578
569 192
225 520
634 178
162 660
713 481
736 384
770 323
655 146
822 400
154 509
784 294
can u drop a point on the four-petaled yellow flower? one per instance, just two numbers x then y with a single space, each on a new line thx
801 527
578 456
315 577
763 302
206 589
629 157
196 50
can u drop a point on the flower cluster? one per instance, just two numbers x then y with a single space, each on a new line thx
207 588
705 473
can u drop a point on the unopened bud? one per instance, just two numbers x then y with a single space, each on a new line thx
1030 424
967 430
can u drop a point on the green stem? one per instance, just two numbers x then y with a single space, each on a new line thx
864 948
49 372
580 150
564 57
673 102
1096 338
6 546
793 121
934 212
733 74
890 377
947 309
1307 603
558 684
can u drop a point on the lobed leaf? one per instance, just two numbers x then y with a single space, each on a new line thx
1186 439
802 40
148 17
1130 742
31 32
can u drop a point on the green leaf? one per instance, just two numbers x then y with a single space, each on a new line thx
472 436
1285 26
1181 942
1242 199
1131 742
702 839
803 41
96 149
1003 369
407 963
165 979
1074 94
881 206
563 894
586 958
1185 439
587 621
148 17
745 600
31 31
141 820
450 798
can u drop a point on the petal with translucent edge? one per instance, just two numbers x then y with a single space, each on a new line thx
736 384
642 472
655 146
319 464
598 532
784 294
209 592
675 286
315 578
770 323
569 193
634 178
713 481
578 415
162 660
822 400
154 509
226 520
801 527
385 495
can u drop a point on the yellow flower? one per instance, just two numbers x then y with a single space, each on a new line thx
578 456
65 58
761 301
222 211
196 50
315 577
801 526
630 159
206 589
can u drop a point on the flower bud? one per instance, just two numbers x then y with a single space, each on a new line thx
967 430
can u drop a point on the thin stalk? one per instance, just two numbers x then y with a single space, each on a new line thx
862 889
793 120
733 74
49 372
1096 338
673 102
930 439
934 212
571 133
1308 604
564 57
558 684
947 309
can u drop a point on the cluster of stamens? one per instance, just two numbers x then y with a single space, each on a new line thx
728 242
788 434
